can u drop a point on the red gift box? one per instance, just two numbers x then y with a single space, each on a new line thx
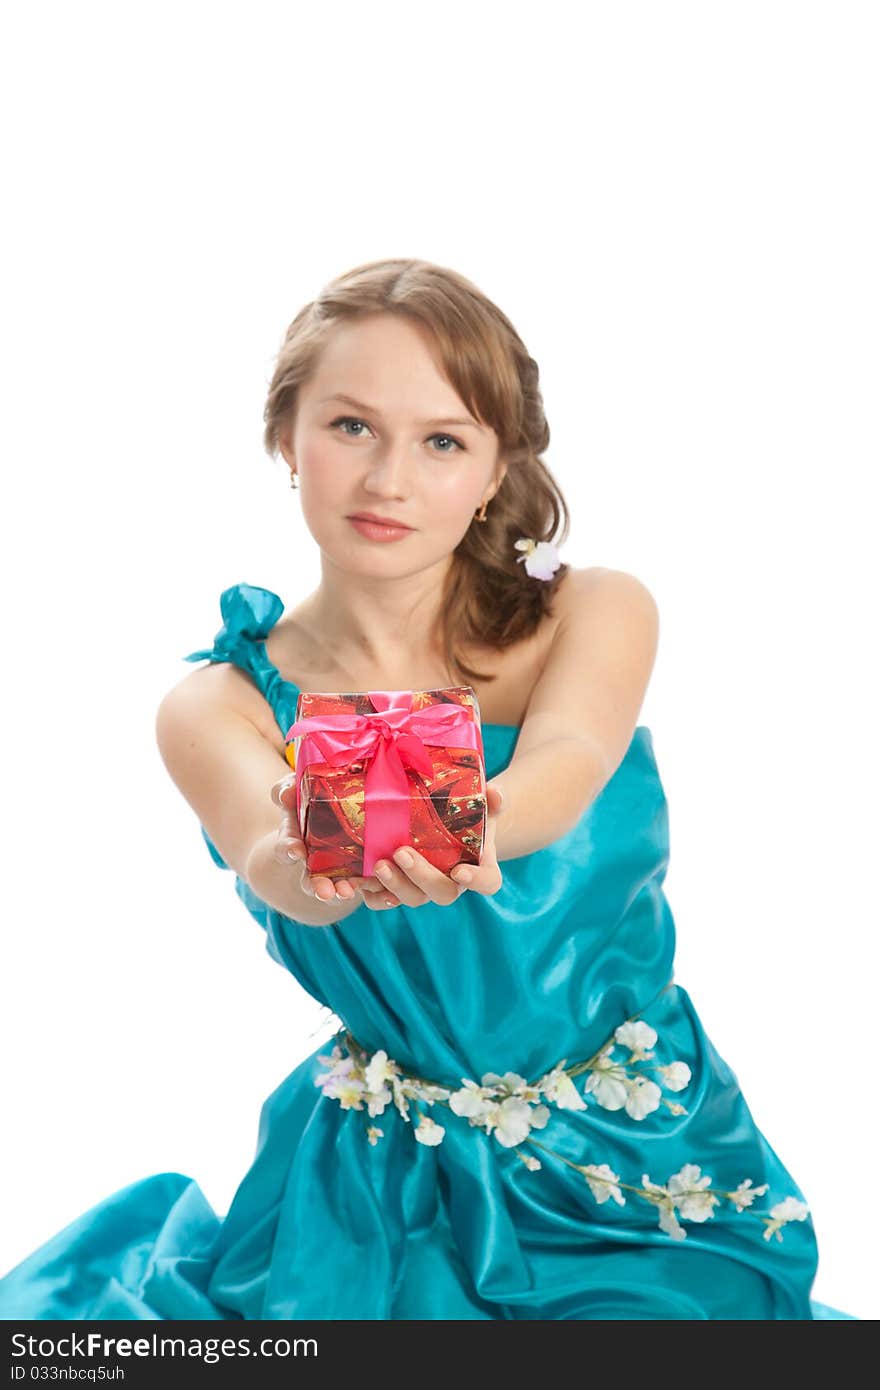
383 768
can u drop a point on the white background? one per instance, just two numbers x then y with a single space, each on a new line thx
677 205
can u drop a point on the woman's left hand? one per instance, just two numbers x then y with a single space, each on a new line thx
415 883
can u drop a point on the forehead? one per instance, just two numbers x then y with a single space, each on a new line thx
377 344
388 369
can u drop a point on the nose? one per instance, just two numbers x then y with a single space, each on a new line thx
388 472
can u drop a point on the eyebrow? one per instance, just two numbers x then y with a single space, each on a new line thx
371 410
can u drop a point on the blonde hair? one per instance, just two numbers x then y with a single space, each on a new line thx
488 599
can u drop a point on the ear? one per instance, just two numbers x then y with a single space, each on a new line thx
500 475
284 446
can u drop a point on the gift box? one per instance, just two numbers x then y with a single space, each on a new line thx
383 768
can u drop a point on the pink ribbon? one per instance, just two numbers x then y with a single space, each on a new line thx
389 741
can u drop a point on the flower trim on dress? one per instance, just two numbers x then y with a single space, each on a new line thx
510 1107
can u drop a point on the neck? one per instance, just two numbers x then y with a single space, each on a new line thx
374 620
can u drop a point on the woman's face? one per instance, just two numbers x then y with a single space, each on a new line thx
402 446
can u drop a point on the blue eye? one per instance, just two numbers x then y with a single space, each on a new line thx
457 442
347 420
353 420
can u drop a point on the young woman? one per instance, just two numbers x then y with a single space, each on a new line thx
522 1116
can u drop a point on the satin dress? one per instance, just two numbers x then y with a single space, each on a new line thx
335 1221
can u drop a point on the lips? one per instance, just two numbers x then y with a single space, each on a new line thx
379 520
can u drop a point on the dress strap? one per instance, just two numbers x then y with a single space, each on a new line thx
249 614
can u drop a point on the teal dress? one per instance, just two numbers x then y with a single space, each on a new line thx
522 1116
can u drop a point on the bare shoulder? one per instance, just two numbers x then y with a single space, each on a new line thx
223 685
610 617
600 662
600 587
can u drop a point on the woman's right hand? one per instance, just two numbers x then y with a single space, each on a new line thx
290 848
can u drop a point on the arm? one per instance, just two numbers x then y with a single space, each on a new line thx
278 883
583 710
546 790
225 768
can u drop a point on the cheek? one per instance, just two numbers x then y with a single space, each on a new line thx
454 513
326 478
453 492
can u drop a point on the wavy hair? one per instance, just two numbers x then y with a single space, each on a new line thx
488 599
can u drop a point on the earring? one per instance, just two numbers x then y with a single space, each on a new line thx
293 482
481 514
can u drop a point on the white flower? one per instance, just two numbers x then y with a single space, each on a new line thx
348 1090
675 1076
400 1096
513 1118
379 1070
603 1183
638 1037
669 1223
673 1107
653 1188
662 1199
374 1133
427 1131
541 558
471 1101
532 1163
425 1090
511 1083
607 1082
377 1100
685 1189
642 1097
687 1177
514 1082
790 1210
558 1086
340 1068
745 1194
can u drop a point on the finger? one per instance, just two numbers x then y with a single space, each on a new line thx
288 848
394 881
279 789
494 799
415 874
478 878
356 882
380 901
289 844
319 886
284 797
370 883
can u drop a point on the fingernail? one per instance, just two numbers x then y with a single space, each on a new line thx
462 875
403 858
383 871
294 854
